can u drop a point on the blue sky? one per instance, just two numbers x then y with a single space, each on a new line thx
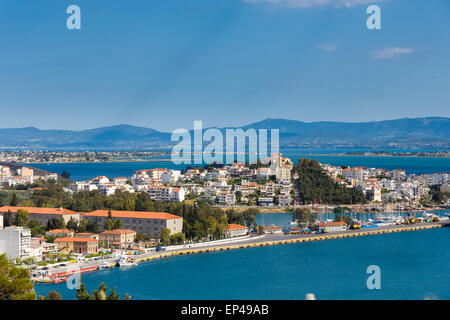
165 63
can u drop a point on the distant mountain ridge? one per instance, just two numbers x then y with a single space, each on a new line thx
430 132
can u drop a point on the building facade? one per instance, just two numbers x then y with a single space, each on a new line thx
42 214
15 242
148 223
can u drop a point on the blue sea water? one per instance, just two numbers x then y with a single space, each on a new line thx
415 165
414 265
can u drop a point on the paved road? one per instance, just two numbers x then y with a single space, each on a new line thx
251 240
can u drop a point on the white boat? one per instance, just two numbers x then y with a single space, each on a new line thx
124 261
105 266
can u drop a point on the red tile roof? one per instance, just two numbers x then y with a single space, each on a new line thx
233 226
36 210
133 214
73 239
118 231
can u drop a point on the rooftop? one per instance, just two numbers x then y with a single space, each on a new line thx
36 210
133 214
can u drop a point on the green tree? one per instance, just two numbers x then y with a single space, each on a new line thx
72 224
260 229
8 219
15 283
165 236
36 228
304 217
53 295
82 293
14 201
55 223
118 224
82 225
109 224
21 219
113 295
249 216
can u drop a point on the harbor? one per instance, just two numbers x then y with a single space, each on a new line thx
61 273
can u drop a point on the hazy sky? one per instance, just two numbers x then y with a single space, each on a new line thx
164 63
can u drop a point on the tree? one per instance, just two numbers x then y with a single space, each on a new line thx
249 216
36 228
92 226
165 236
304 217
7 219
82 225
82 293
260 229
15 283
112 295
21 219
109 224
118 224
72 224
53 295
14 200
100 294
55 223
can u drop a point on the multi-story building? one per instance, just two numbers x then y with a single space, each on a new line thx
284 200
118 238
42 214
149 223
15 242
77 245
226 198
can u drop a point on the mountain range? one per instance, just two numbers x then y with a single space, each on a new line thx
406 133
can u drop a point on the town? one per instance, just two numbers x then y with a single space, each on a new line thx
192 207
40 156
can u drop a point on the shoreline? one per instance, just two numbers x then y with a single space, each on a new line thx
58 277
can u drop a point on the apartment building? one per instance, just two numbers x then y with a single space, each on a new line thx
15 242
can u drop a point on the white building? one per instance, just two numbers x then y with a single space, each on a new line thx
284 200
236 230
226 198
15 242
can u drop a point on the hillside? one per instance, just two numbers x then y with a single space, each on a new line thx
414 133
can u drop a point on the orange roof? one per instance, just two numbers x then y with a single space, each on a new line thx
332 224
73 239
118 231
233 226
36 210
59 231
133 214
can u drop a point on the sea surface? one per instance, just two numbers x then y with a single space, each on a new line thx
413 265
414 165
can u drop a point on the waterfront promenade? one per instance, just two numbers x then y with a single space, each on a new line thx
250 242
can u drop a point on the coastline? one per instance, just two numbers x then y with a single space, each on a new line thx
59 275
